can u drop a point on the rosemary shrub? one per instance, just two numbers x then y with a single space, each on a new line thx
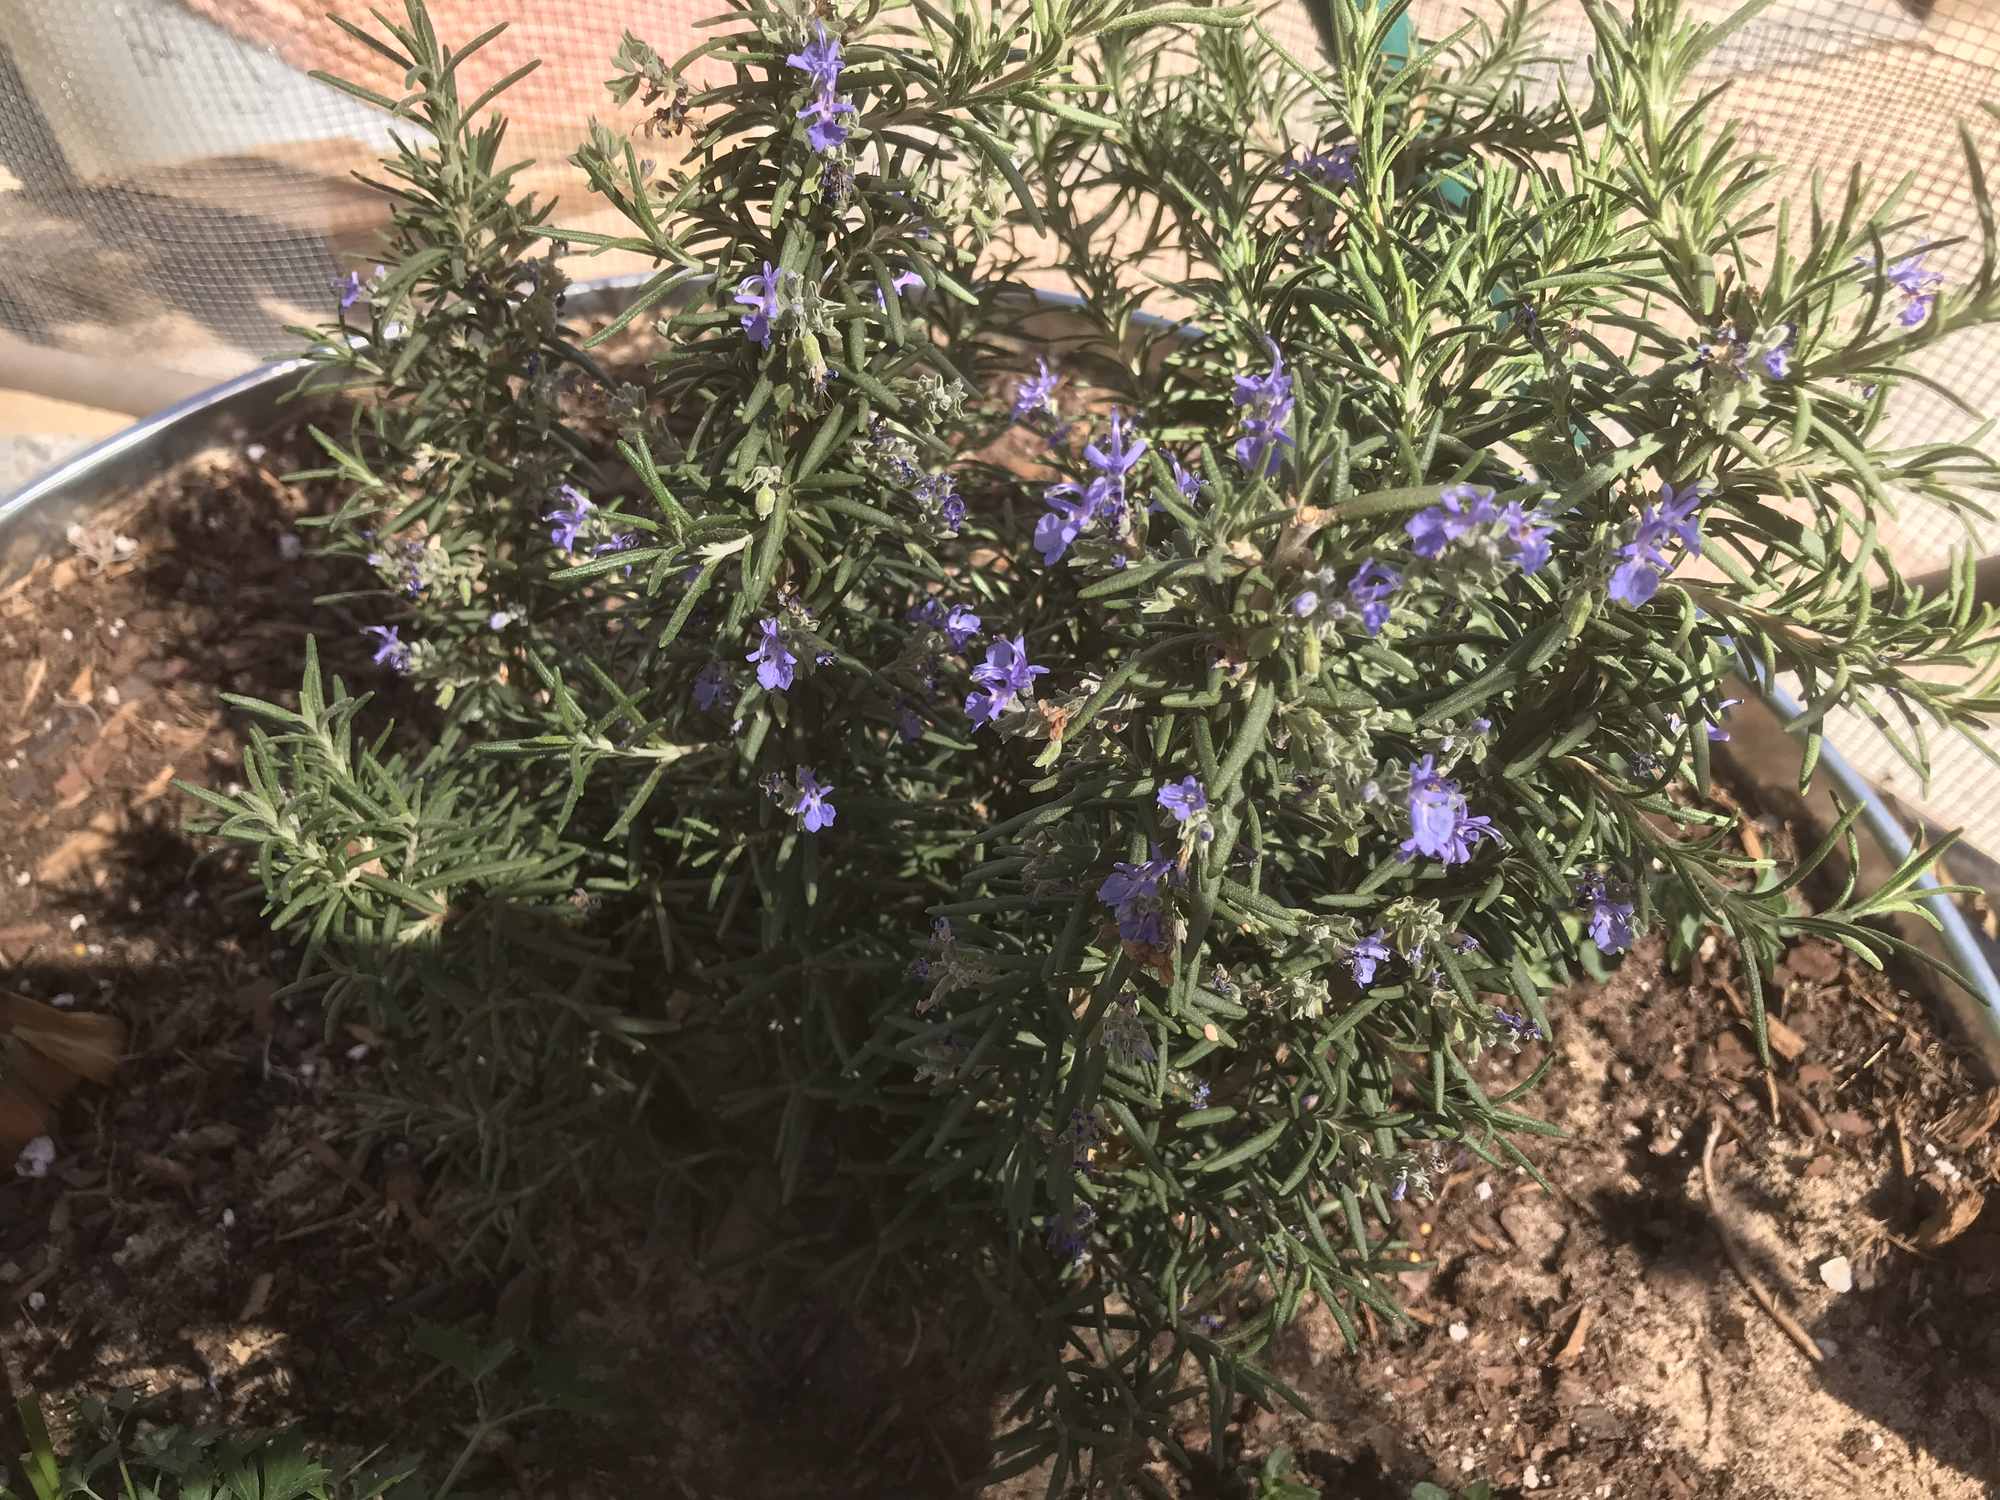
1076 787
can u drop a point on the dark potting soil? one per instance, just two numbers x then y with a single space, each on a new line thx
1597 1340
222 1231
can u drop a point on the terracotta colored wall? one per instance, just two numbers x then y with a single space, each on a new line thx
574 41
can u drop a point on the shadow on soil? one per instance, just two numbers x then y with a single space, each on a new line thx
1901 1347
251 1224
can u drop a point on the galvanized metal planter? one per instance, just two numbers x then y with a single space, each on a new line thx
35 517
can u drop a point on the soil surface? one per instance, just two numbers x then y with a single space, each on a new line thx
1598 1341
225 1227
220 1229
201 1212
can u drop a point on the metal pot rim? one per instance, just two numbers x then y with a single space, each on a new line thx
34 518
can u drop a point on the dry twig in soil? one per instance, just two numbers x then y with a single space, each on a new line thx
1756 1288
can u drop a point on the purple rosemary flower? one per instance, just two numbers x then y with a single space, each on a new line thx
1674 523
1369 593
1185 798
1068 513
711 686
1919 287
569 517
1776 361
1069 1233
1528 534
907 281
940 492
774 661
1910 277
1305 604
1522 1027
812 807
893 452
1366 956
411 553
351 289
1186 480
908 725
1132 891
759 293
619 543
820 59
1125 1036
1266 402
389 648
1081 1136
1466 836
1333 167
1006 677
1007 667
1715 728
1114 457
1677 518
984 706
957 623
1073 510
1440 824
827 132
960 626
1609 907
1460 507
1037 393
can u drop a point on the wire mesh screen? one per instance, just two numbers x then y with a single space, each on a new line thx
1817 86
175 188
1820 85
173 182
